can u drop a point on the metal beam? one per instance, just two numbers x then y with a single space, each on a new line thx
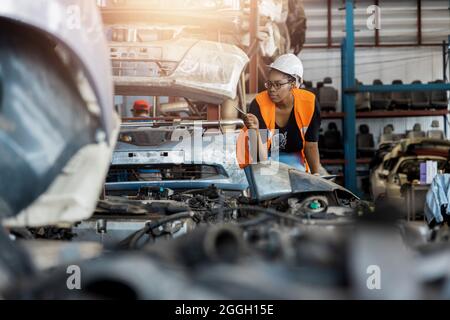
254 26
348 99
448 54
396 45
444 60
377 31
400 88
253 49
419 22
329 30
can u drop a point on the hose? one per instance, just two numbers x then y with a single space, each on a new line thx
132 240
268 211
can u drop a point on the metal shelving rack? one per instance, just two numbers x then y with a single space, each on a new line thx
387 114
350 88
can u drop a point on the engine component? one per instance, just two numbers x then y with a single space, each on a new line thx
309 206
207 244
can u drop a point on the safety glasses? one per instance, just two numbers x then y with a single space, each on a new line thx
275 85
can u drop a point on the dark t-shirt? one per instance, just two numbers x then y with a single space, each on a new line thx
290 139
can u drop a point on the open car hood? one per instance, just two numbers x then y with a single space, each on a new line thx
199 70
269 180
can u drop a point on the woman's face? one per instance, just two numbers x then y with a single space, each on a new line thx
280 86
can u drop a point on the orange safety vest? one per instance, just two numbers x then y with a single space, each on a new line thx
304 106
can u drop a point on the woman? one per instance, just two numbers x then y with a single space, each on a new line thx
290 114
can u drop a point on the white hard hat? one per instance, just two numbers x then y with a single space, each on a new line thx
289 64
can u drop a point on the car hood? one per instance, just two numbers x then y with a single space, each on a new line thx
200 70
269 180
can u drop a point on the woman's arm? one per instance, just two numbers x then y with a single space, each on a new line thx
311 145
312 156
252 123
262 149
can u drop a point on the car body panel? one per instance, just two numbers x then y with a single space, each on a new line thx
421 147
274 179
77 25
217 149
393 188
83 72
201 70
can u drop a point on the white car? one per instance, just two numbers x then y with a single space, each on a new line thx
402 165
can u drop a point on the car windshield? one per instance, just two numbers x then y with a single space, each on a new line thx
390 164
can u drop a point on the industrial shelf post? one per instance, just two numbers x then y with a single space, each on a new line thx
348 99
350 88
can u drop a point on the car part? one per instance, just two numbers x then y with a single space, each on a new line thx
332 142
380 100
365 142
328 96
44 147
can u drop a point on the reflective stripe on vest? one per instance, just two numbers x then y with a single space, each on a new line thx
304 106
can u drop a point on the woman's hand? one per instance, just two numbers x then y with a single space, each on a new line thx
251 121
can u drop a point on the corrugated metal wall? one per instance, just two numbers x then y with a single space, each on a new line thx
398 21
